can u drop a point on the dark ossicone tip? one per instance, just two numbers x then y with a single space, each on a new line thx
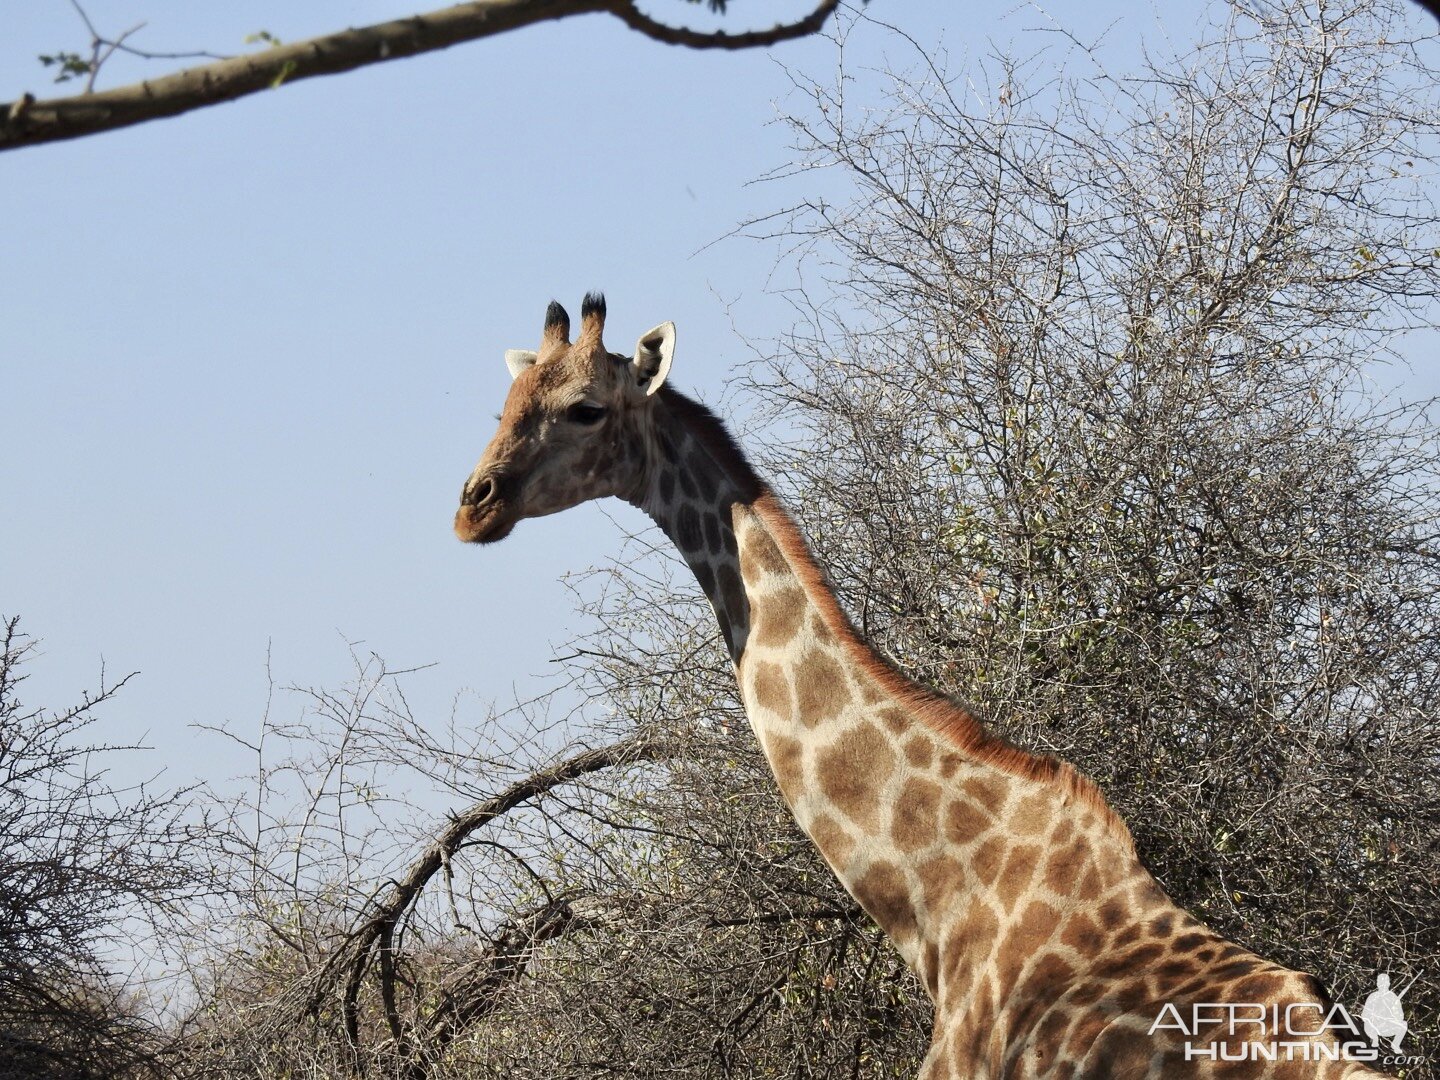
555 315
593 306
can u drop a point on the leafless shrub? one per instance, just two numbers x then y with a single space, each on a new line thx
88 872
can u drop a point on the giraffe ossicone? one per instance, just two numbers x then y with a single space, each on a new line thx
1003 878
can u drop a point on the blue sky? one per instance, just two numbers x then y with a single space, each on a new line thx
250 354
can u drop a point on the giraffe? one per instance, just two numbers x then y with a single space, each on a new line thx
1003 878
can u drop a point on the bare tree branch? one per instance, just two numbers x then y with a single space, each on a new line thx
28 121
375 933
636 19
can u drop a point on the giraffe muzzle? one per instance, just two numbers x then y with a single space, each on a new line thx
484 515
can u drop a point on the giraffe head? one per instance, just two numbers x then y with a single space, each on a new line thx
575 425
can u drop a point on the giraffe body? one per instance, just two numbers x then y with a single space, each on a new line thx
1003 878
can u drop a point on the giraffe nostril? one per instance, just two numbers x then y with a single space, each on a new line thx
479 492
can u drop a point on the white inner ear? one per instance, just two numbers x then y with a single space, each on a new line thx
652 356
517 360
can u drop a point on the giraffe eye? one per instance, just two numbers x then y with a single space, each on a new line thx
585 413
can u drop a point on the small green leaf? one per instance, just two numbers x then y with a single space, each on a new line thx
72 65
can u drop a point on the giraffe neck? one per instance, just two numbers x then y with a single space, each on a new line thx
951 840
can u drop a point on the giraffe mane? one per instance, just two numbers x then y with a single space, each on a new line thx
946 717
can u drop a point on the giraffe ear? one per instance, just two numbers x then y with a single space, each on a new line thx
517 360
652 357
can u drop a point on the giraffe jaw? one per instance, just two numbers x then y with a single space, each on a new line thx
484 525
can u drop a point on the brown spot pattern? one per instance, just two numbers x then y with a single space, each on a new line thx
870 692
884 893
1083 934
896 719
1047 977
853 770
964 821
820 688
1085 1032
787 761
777 616
920 751
930 967
1128 936
1032 815
1111 914
913 819
987 861
1019 869
941 879
1063 831
760 556
986 792
834 842
772 689
1063 870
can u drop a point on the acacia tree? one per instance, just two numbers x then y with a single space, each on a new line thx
1098 360
28 121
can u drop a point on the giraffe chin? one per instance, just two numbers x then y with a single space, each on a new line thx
476 526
